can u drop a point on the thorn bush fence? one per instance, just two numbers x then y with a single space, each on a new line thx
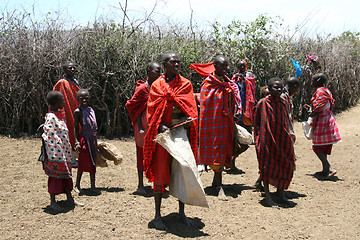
111 57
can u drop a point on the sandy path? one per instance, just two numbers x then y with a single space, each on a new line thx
324 210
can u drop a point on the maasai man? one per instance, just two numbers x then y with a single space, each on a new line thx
171 99
136 107
246 83
326 132
217 105
274 147
69 87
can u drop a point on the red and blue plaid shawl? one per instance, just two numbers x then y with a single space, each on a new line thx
216 135
69 89
249 104
179 91
324 123
137 104
274 148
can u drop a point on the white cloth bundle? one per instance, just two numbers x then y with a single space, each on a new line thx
308 129
185 182
243 136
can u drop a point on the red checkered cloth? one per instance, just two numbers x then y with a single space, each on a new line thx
248 106
274 148
69 89
180 92
216 122
137 104
324 123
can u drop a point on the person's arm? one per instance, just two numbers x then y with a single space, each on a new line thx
139 123
77 116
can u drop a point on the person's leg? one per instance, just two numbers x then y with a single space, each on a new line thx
140 170
219 187
282 196
325 163
157 222
268 200
92 180
70 198
183 217
258 185
141 189
77 188
53 203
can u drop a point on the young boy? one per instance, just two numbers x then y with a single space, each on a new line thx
86 140
57 164
326 132
273 143
136 107
291 87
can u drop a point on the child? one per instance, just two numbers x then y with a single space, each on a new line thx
292 86
326 132
136 107
57 164
264 92
86 140
274 148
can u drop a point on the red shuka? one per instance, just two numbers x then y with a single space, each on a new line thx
216 135
69 89
162 97
274 148
137 104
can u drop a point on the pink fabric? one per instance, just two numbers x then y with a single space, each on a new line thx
325 127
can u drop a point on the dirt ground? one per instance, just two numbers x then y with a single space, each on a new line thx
325 209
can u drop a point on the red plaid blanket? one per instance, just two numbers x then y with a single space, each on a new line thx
162 94
69 89
248 106
274 148
137 104
216 121
324 123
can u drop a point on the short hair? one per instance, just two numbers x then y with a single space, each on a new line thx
293 81
151 65
272 81
167 55
320 76
53 97
263 90
83 90
219 59
66 64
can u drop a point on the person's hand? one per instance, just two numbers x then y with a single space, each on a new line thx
162 128
307 107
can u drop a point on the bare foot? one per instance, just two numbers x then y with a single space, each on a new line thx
221 194
270 203
158 224
56 207
141 191
259 186
187 221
